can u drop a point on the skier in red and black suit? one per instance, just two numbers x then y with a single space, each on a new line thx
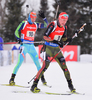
55 36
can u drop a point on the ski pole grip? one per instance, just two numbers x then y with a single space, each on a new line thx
82 27
79 30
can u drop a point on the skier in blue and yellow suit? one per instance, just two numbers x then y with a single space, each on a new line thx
28 30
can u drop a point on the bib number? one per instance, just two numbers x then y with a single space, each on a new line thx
30 33
57 37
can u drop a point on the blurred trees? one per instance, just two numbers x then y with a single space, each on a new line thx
13 16
2 16
80 12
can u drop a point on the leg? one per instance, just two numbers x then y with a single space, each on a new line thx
34 88
62 63
20 60
46 63
33 54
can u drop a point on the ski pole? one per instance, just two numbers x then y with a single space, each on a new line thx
23 42
27 11
31 79
35 42
56 12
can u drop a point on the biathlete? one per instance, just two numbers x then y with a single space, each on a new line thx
28 30
55 36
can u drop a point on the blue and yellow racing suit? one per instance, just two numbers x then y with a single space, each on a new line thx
27 35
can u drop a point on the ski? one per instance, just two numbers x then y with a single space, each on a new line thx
76 93
41 92
47 85
15 85
23 86
57 93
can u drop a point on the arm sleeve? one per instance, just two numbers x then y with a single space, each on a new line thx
42 25
18 30
49 29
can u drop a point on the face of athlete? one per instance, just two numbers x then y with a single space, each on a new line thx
62 22
33 19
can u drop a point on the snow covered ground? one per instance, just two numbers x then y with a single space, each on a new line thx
81 74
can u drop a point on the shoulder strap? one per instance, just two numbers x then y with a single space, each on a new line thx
25 24
54 25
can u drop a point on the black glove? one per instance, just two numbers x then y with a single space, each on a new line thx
41 14
58 42
69 40
76 33
19 41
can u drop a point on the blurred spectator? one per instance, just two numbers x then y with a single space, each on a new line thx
1 43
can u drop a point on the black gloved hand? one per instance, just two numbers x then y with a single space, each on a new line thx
19 41
76 33
41 14
58 42
69 40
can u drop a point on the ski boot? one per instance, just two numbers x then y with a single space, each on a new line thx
11 81
34 88
43 80
70 85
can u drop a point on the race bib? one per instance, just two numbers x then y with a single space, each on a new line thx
57 37
30 33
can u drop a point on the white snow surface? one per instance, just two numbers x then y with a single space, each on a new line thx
81 74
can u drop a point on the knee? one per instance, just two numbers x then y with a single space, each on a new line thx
61 59
44 69
46 66
65 70
36 57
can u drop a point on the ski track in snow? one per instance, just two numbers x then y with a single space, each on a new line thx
81 74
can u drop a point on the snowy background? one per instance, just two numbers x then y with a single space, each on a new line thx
81 74
35 5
